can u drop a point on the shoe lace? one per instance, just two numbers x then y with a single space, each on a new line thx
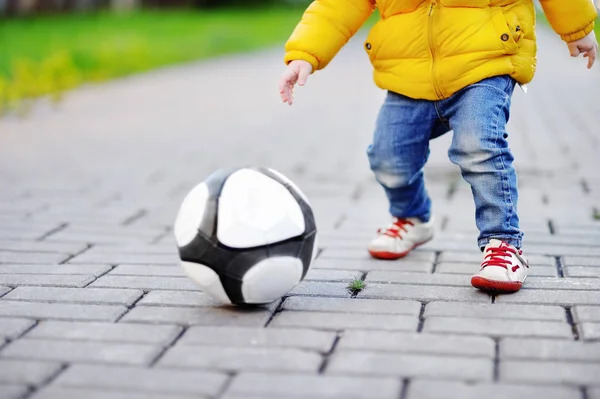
496 256
394 229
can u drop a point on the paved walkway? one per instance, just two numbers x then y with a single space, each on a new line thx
94 305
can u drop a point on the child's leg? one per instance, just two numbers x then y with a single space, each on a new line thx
397 156
478 115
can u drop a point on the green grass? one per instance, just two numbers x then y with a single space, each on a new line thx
356 285
47 55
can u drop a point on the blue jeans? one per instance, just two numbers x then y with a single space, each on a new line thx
477 115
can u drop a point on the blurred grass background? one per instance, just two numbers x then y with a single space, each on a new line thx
48 54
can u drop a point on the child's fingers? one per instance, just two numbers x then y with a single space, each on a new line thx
302 76
574 50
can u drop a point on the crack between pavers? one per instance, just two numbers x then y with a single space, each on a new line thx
55 230
277 310
436 260
327 355
404 389
135 217
47 381
230 377
131 306
559 267
551 227
571 321
584 392
496 359
421 318
166 348
70 257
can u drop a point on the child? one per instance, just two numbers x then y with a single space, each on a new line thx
446 65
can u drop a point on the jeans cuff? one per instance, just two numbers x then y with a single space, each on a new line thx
514 241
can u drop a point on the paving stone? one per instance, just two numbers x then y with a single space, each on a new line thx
137 249
262 385
495 311
550 372
145 283
590 331
26 371
13 391
321 288
367 265
332 275
12 328
154 381
418 279
237 359
40 247
81 295
87 352
198 316
48 280
32 257
586 313
552 350
582 271
300 338
548 283
362 254
427 389
105 332
594 393
53 392
471 268
581 261
94 270
498 327
119 259
343 321
410 366
148 270
352 305
60 311
552 297
416 343
424 293
563 250
475 259
178 298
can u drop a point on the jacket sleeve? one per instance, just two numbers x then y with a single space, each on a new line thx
571 19
325 27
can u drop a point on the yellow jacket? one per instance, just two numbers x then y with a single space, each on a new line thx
429 49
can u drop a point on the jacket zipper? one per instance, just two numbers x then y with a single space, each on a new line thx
436 87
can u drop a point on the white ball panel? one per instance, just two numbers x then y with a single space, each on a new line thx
270 279
207 280
190 215
256 210
291 183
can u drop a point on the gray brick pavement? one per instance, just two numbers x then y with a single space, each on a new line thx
101 296
427 389
92 298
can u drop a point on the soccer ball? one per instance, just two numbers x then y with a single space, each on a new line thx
246 235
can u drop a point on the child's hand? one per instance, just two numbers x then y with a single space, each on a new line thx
588 46
297 71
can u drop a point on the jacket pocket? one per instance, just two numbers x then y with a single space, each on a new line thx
508 29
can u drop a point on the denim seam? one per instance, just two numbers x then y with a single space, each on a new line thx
505 183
